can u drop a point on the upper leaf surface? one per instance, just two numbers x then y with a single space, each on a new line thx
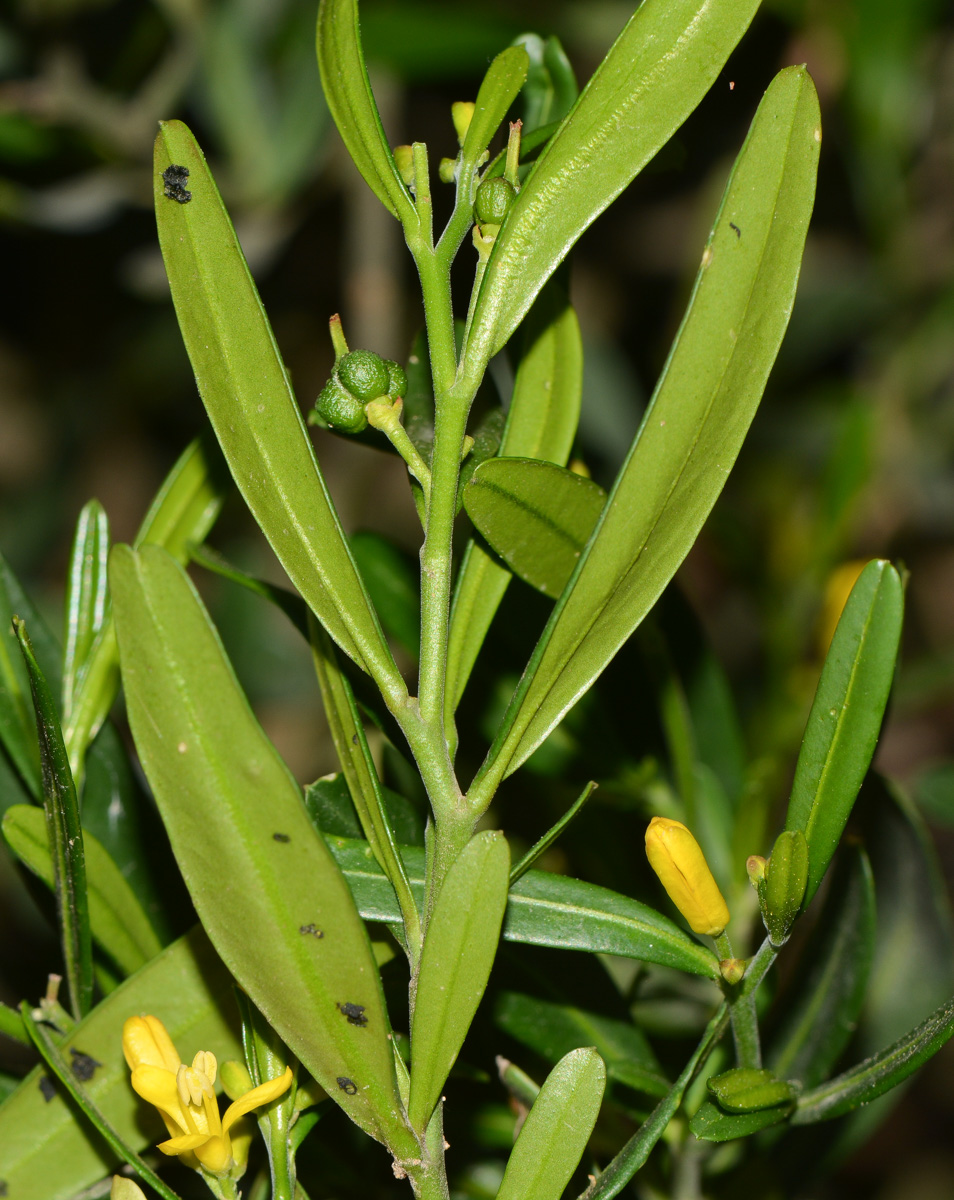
662 64
266 889
249 400
695 424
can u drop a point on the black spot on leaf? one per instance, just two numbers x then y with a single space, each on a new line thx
175 179
348 1086
738 231
84 1067
47 1088
354 1013
311 930
281 837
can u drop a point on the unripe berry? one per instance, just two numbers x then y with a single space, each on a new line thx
493 200
364 374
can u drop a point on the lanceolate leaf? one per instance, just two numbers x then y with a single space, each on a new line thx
65 837
537 516
348 92
543 910
117 921
694 426
660 67
86 595
45 1153
829 984
879 1073
500 87
846 715
268 893
556 1130
541 424
459 949
251 406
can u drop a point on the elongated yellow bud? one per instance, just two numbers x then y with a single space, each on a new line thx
676 857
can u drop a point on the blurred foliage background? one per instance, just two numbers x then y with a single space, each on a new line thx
849 458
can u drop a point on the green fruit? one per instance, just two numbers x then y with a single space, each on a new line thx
339 409
397 380
364 374
493 200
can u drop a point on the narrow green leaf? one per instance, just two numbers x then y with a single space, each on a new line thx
661 65
694 425
710 1124
11 1025
541 423
498 90
45 1152
552 1030
828 986
117 921
351 744
554 1135
267 891
183 511
551 90
544 843
543 910
637 1150
846 715
87 597
249 400
877 1074
344 78
54 1059
458 952
64 835
537 516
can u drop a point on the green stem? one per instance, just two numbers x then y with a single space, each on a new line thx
384 415
745 1025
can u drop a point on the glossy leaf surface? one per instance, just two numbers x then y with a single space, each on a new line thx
543 910
537 516
45 1153
247 395
234 814
557 1128
877 1074
695 423
498 90
660 67
846 714
117 921
829 985
711 1124
344 78
746 1089
459 949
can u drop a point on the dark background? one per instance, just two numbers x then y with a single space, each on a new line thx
849 457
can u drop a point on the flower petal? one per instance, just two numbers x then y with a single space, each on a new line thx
265 1093
182 1145
147 1043
158 1087
215 1154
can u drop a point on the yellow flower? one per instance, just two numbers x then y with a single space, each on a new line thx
675 856
185 1097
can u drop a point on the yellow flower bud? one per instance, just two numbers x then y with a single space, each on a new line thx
462 113
675 856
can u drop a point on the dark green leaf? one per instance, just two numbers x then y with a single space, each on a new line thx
877 1074
658 70
541 423
544 910
711 1124
64 835
188 989
235 815
846 714
348 92
556 1130
459 950
695 424
248 397
537 516
550 91
828 985
117 921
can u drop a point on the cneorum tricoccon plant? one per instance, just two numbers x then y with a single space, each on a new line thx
283 972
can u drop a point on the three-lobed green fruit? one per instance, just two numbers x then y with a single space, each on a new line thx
359 377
